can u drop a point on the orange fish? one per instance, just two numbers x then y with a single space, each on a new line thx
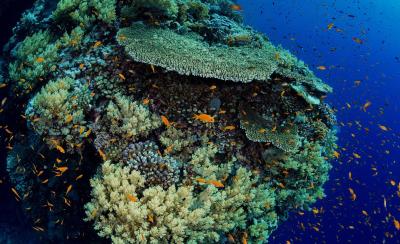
384 128
132 198
236 7
330 26
336 154
396 224
229 127
216 183
102 155
321 67
121 76
201 180
40 59
146 101
16 193
366 105
204 118
165 121
357 40
68 189
78 177
60 149
68 118
356 155
97 44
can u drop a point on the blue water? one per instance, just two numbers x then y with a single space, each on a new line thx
302 27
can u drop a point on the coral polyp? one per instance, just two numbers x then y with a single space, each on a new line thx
189 126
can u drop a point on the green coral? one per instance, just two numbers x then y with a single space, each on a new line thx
164 48
168 7
57 113
35 57
85 12
125 212
176 139
129 119
308 172
124 121
258 130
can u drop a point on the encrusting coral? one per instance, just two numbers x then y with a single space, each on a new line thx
190 126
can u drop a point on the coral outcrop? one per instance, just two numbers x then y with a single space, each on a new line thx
190 126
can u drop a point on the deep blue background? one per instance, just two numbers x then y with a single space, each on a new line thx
302 27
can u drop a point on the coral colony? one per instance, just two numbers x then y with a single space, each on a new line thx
161 121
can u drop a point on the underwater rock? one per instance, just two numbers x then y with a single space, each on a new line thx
188 125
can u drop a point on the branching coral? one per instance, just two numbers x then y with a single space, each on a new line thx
123 122
123 210
85 12
35 57
129 119
57 113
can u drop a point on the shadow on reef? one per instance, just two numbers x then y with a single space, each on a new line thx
160 121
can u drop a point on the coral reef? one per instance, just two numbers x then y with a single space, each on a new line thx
190 126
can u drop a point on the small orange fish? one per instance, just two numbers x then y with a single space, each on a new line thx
97 44
364 212
229 127
213 87
262 130
146 101
353 195
216 183
321 67
15 193
40 59
384 128
204 118
236 7
165 121
392 182
78 177
2 85
68 189
366 105
357 40
201 180
60 149
68 118
132 198
45 181
396 224
330 26
62 169
152 68
88 133
169 149
150 218
121 76
336 154
356 155
81 66
102 155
